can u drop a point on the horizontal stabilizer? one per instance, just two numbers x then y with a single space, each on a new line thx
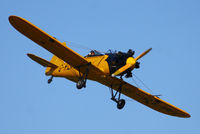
41 61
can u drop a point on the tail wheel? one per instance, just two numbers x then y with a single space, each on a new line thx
50 80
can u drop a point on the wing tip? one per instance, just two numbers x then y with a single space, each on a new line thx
182 114
30 55
187 115
12 18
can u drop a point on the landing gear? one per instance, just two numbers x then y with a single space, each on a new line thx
80 84
82 79
120 102
50 80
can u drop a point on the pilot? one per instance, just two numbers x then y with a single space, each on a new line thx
92 53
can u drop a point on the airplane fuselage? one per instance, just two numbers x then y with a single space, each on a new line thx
71 73
108 63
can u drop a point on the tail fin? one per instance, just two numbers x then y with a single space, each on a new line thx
51 66
55 60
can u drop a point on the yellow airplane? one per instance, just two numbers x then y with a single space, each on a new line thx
103 68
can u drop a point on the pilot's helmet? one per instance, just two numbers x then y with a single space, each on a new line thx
92 52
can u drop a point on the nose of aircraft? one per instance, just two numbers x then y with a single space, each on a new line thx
130 63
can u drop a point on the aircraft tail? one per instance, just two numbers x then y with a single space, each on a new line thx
41 61
55 60
51 65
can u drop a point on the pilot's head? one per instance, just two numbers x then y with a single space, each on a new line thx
92 52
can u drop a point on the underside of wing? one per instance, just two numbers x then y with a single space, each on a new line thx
144 97
52 44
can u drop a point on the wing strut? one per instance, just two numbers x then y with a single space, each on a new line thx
120 102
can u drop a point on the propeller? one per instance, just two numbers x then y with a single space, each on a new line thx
130 63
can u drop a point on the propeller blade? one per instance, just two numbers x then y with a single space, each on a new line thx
130 62
143 54
122 69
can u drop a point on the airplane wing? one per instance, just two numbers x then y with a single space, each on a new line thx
143 97
52 45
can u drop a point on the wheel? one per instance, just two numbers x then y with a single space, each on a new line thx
80 84
49 81
121 103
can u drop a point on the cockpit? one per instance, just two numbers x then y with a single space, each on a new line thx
94 53
116 60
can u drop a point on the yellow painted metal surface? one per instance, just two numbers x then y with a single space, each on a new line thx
51 44
100 62
144 97
41 61
71 65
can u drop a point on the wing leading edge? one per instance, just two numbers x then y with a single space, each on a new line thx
52 44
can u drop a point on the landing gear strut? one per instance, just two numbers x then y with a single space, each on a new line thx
82 79
120 102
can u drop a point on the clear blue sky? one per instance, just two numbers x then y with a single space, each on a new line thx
28 105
